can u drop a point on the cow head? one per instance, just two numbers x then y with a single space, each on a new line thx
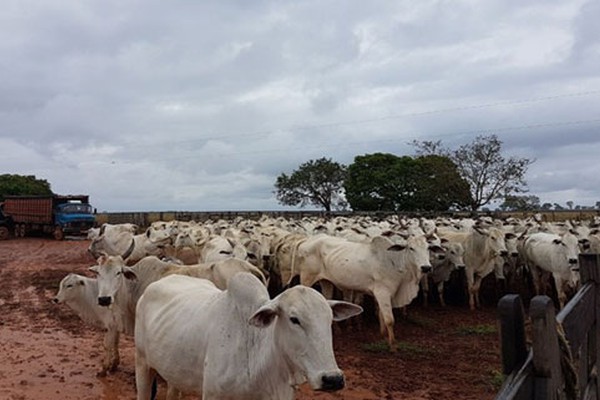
494 240
301 319
112 275
68 288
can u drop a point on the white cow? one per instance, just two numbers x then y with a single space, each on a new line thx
219 272
442 268
235 344
482 247
129 246
556 255
120 286
387 271
80 293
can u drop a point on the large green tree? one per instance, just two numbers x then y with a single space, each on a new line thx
490 175
379 182
19 185
317 182
386 182
440 186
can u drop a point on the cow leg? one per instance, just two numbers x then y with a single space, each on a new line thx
172 393
470 283
560 290
476 287
144 377
327 289
111 351
440 287
425 289
384 301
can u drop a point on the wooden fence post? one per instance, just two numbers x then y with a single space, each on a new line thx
512 332
589 269
546 354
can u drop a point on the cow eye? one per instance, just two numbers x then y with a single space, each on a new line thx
295 320
69 286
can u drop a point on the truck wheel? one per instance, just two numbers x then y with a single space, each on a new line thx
4 233
58 233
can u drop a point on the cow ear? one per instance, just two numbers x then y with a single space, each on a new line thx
343 310
556 241
129 273
94 269
396 247
509 236
264 316
436 249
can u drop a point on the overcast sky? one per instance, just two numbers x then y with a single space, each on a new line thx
200 105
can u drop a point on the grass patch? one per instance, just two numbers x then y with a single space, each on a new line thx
403 348
496 379
477 330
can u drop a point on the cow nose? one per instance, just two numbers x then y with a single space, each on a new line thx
504 253
514 254
332 382
55 300
425 268
572 261
104 301
460 266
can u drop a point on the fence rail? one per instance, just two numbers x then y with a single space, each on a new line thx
562 360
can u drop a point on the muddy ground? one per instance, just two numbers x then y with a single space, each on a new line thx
46 352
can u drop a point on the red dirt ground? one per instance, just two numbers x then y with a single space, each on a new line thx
46 352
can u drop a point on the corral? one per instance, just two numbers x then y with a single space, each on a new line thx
46 352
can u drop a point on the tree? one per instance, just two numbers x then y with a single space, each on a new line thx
489 174
570 204
386 182
439 185
380 182
20 185
317 182
547 206
521 203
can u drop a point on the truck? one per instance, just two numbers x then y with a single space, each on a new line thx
6 226
58 215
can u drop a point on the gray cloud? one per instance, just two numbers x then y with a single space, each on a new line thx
200 105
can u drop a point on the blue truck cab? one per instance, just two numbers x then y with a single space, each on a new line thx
74 217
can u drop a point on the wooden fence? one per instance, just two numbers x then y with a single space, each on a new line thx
145 218
562 360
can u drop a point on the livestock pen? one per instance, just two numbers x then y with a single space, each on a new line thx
562 361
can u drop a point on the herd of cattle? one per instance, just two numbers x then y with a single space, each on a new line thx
228 336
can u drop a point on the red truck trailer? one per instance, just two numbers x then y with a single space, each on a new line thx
54 214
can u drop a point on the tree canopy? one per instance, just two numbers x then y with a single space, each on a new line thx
20 185
385 182
481 163
317 182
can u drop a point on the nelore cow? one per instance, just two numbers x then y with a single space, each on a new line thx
558 255
237 343
388 271
80 293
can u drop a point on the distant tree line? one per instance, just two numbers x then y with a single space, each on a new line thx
435 178
23 185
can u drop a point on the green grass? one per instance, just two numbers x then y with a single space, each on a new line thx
496 379
477 330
